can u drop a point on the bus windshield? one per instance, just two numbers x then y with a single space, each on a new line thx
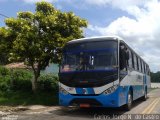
89 56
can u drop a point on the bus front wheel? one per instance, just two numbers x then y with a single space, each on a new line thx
128 106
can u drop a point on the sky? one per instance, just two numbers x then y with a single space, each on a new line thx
136 21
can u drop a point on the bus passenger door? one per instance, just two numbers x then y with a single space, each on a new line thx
123 60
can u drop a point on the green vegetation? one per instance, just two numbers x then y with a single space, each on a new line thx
13 98
15 79
155 77
37 38
48 82
20 79
15 88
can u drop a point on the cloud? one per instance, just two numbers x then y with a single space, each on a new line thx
141 32
132 7
98 2
33 1
30 1
115 3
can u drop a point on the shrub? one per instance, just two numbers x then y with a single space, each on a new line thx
4 79
48 82
4 71
5 83
21 79
15 79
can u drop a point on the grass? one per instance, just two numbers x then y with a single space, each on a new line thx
14 98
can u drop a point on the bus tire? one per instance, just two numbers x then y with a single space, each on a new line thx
144 98
128 106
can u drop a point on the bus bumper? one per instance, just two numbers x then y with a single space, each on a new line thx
102 100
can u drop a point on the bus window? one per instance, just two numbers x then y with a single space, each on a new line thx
142 67
124 56
139 65
135 62
148 70
130 59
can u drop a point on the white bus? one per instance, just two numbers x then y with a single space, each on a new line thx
102 72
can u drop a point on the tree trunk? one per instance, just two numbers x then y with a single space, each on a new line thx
35 78
34 82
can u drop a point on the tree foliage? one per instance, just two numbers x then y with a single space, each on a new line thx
6 39
155 77
38 37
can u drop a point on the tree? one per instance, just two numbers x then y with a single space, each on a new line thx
6 38
155 77
40 35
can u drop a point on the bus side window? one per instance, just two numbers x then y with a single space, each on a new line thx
130 62
142 67
124 56
148 70
135 62
139 64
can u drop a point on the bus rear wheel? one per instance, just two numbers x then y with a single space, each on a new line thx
128 106
144 98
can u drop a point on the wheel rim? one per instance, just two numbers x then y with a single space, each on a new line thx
129 100
145 94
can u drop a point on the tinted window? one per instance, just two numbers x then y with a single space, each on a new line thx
142 67
139 63
92 46
148 71
90 56
130 59
135 62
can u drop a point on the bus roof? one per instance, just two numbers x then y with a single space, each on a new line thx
98 38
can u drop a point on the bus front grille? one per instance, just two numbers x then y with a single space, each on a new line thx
90 101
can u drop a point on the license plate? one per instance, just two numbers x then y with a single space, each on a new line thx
84 105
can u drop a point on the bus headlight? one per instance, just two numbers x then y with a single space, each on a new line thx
110 90
63 91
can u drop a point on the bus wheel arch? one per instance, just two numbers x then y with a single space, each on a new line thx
131 90
144 97
129 99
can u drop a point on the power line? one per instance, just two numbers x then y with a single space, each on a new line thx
4 15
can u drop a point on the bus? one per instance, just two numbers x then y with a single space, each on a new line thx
102 72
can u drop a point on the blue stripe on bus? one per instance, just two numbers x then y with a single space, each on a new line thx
79 90
90 91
